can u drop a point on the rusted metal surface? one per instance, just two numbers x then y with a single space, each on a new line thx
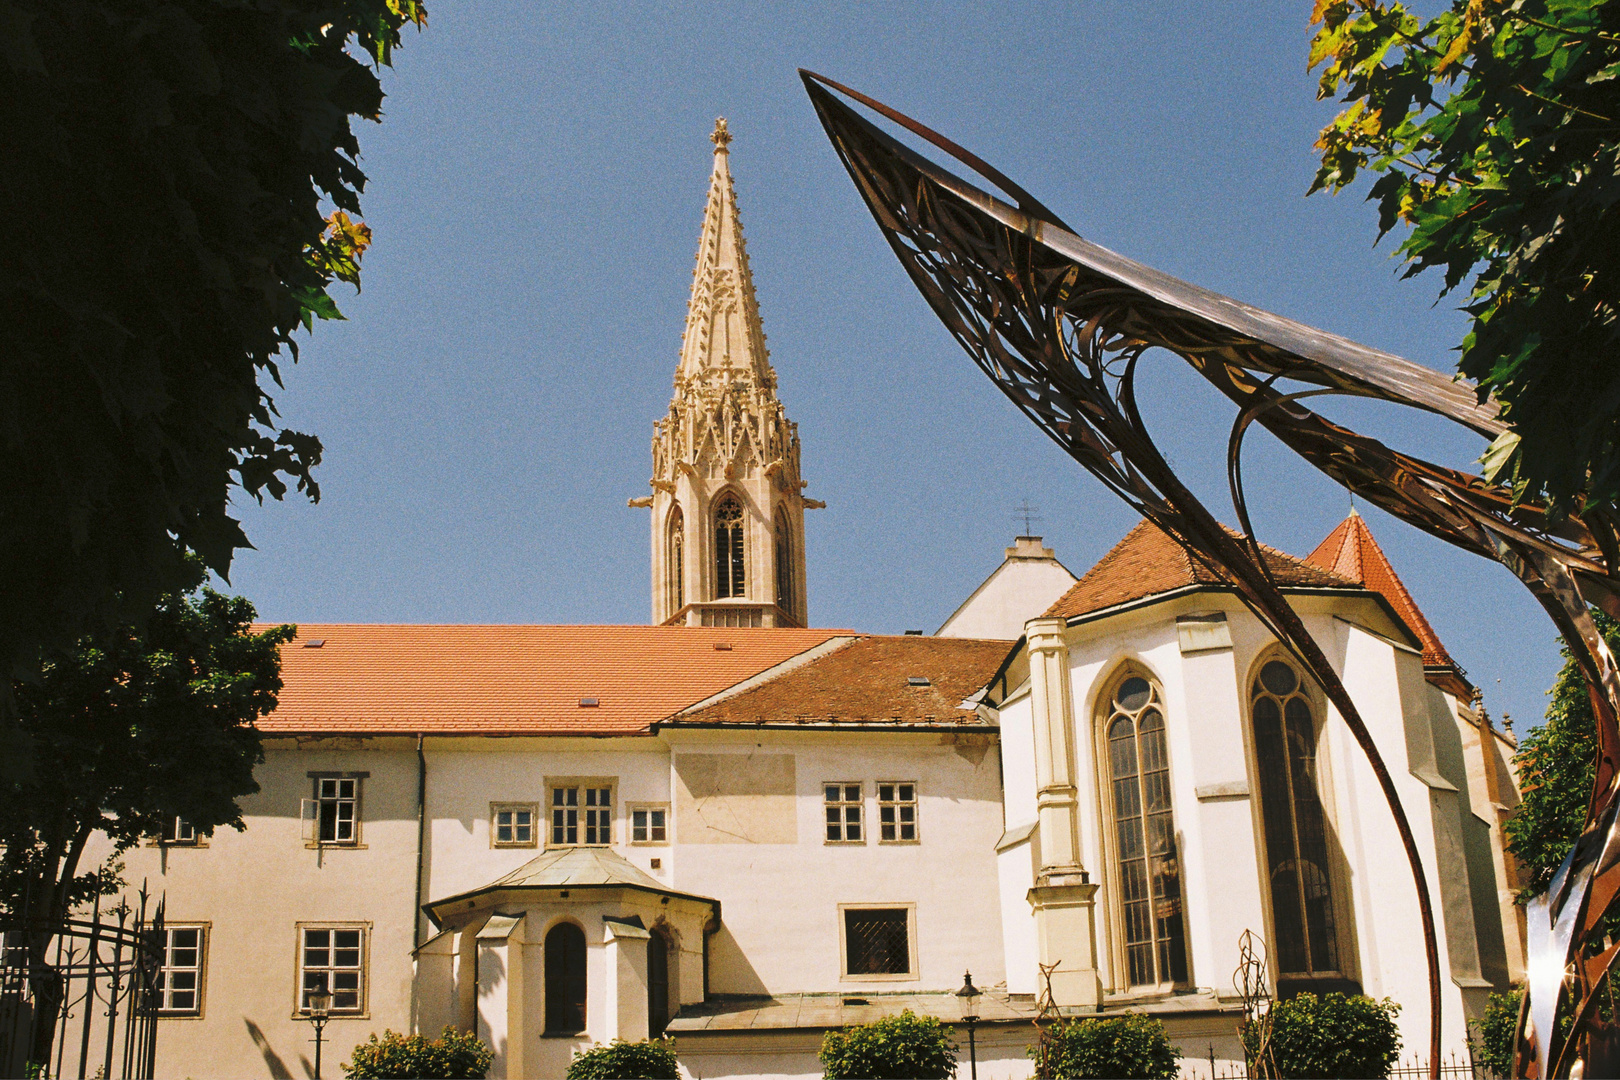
1059 325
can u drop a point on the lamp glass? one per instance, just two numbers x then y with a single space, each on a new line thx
320 1003
968 997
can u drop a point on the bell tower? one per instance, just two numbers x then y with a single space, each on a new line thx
727 502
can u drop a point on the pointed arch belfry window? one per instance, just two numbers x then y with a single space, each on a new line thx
728 548
1304 928
1146 863
785 591
675 560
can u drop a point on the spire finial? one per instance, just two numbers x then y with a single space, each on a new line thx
721 137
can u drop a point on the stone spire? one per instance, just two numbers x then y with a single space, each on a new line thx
727 502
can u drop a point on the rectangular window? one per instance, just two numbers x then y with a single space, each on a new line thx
648 825
180 979
843 813
897 812
581 815
337 799
333 958
177 830
512 824
877 942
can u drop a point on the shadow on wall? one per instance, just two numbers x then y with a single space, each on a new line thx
729 970
491 972
272 1060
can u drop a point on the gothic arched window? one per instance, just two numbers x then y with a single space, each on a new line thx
784 563
728 548
565 980
675 560
1145 858
1305 934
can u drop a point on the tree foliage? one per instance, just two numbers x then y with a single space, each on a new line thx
454 1055
1555 763
1495 130
1495 1029
1131 1047
895 1048
1333 1035
132 731
649 1059
164 232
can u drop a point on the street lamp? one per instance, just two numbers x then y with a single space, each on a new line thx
319 1002
968 999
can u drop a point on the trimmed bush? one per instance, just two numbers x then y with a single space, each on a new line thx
1495 1027
1132 1047
904 1047
649 1059
1351 1038
454 1055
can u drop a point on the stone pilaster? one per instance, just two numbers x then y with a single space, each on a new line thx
1064 897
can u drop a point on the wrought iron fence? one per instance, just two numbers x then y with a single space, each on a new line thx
1457 1066
80 998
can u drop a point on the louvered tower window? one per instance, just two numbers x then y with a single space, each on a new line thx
1149 870
1295 825
784 563
676 561
728 548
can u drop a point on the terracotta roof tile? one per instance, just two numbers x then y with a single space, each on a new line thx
868 681
405 679
1351 552
1148 562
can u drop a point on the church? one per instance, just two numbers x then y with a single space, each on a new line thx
734 828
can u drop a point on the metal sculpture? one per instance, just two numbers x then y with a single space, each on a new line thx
1060 325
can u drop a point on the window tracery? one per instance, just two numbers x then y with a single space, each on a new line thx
728 549
676 561
1147 864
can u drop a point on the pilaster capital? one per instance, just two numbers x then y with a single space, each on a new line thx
1046 635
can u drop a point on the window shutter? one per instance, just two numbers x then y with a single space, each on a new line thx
311 818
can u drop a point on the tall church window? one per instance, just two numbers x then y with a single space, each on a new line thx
784 563
728 548
1305 935
565 980
1147 865
676 560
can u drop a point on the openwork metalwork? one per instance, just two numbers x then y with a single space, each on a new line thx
1060 325
81 997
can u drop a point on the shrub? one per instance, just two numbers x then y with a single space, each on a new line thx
454 1055
1132 1047
649 1059
904 1047
1495 1029
1346 1037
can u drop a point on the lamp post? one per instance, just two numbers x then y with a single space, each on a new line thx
320 1011
968 999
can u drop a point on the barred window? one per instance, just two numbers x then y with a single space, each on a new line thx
333 958
179 981
877 941
581 816
513 824
843 813
897 812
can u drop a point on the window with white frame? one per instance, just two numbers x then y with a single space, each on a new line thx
180 978
333 958
897 812
581 814
512 824
649 825
336 809
879 942
843 805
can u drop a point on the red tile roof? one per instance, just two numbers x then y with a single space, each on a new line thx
1350 551
512 680
1148 562
868 681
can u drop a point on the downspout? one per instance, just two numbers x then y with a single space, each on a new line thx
421 837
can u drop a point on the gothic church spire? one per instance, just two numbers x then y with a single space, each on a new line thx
727 503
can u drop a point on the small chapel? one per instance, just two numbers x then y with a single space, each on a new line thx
736 829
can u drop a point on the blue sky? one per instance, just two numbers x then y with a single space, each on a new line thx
536 191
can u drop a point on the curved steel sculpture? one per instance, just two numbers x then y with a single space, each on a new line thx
1060 324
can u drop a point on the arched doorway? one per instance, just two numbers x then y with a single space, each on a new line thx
657 983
